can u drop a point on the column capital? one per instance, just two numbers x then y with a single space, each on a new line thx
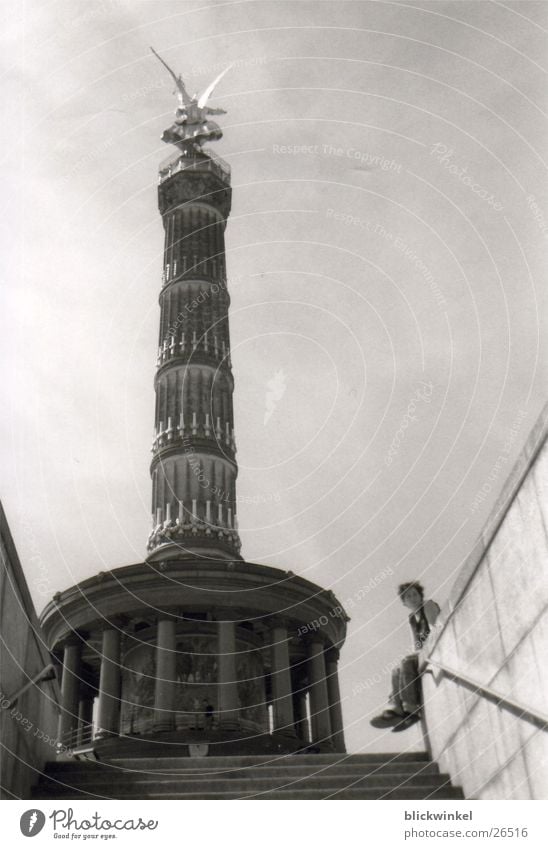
115 623
75 639
273 622
227 615
314 644
169 616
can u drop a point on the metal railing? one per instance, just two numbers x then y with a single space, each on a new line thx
536 717
46 674
81 736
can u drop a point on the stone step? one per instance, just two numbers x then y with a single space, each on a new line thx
251 785
321 776
115 772
420 792
271 760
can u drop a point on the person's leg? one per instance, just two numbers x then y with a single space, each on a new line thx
410 693
395 696
395 712
410 684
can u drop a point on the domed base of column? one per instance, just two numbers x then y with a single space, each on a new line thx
219 653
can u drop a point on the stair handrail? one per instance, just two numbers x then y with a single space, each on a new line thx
535 716
46 674
81 736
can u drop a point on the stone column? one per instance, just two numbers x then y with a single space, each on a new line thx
282 698
228 683
334 697
70 693
319 702
301 719
166 671
108 715
85 719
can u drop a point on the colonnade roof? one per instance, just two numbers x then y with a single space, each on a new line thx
233 590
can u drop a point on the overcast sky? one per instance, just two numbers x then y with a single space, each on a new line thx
386 260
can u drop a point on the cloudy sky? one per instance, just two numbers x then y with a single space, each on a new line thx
386 258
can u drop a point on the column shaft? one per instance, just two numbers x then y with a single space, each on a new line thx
85 720
319 702
166 670
108 715
335 709
301 719
282 699
70 690
228 684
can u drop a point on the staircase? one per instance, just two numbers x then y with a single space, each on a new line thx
318 776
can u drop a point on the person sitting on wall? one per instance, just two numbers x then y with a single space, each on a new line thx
406 697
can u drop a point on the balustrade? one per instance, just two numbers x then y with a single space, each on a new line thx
185 347
199 427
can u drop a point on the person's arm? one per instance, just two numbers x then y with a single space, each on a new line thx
431 611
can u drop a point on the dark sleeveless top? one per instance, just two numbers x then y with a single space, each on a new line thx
419 627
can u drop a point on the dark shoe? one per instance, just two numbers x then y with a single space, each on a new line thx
386 719
407 722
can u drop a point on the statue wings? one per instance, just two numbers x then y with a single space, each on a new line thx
202 100
186 100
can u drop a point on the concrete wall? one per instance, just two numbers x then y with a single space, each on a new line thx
28 730
495 631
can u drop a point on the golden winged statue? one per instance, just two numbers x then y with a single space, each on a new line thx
192 127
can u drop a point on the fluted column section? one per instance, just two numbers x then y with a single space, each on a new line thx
70 693
228 683
194 443
319 701
334 697
108 714
166 670
282 698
